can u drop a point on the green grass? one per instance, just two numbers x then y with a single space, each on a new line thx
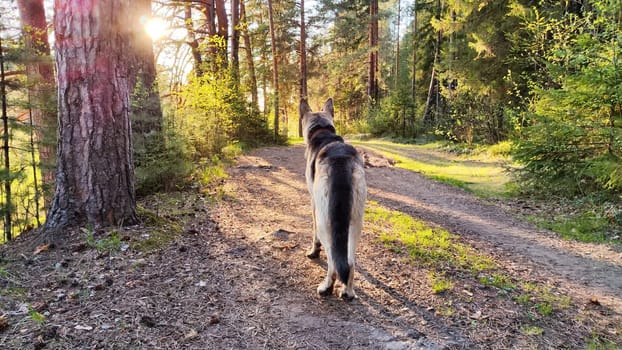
531 330
35 315
541 299
440 283
425 244
110 244
482 172
295 141
162 231
583 228
498 280
598 343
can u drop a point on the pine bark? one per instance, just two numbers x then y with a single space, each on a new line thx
372 85
41 87
192 41
303 61
146 112
275 70
95 179
235 40
249 57
223 31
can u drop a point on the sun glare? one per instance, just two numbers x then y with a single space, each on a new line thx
155 27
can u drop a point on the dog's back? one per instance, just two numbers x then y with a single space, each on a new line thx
336 180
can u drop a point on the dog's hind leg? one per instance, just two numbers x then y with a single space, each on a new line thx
326 287
347 291
314 251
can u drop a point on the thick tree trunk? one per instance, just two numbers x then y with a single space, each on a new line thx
95 178
41 87
249 57
303 61
275 70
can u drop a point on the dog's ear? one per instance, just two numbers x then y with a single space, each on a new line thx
304 107
328 107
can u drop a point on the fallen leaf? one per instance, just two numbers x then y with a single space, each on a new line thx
41 248
594 301
192 334
4 322
84 328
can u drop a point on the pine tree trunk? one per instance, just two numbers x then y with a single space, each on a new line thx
275 71
209 10
303 61
95 178
413 87
397 45
41 87
223 31
5 148
235 40
192 41
372 85
146 112
249 57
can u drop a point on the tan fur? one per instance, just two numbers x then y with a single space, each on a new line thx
318 187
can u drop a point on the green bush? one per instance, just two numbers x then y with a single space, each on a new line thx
162 164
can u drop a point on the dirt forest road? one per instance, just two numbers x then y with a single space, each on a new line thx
267 206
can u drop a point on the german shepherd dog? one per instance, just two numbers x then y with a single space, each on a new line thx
336 180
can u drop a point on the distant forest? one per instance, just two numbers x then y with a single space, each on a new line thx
106 100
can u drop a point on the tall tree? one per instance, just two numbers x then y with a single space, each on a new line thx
223 31
41 86
5 147
95 178
146 109
249 57
275 69
372 87
397 45
192 40
413 86
235 40
303 60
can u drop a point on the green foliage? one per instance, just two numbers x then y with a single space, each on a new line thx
214 115
26 200
573 142
165 164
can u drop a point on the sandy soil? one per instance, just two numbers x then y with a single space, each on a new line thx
237 277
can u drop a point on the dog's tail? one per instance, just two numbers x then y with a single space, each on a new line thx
340 209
